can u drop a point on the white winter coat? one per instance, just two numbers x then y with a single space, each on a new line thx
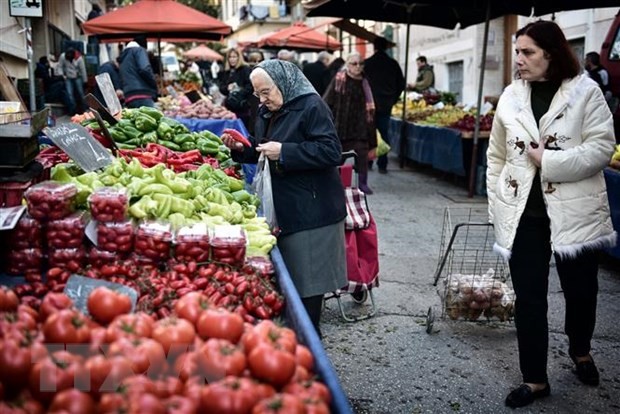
572 177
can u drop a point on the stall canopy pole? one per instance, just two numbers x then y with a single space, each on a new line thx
403 128
473 168
29 55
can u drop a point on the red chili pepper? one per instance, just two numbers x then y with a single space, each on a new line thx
237 136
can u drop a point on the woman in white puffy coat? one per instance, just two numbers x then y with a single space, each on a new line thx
552 137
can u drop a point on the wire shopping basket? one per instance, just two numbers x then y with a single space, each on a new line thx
476 281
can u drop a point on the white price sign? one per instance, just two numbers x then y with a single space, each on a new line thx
26 8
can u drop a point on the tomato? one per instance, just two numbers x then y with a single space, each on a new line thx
168 386
186 365
106 304
72 401
180 405
52 303
268 331
272 365
113 403
22 404
190 306
175 335
313 405
301 373
231 395
219 358
8 300
133 325
280 404
309 388
138 384
219 323
66 327
16 363
104 374
53 374
304 357
146 403
145 355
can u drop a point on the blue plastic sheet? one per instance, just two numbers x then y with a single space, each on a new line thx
217 126
439 147
612 179
298 319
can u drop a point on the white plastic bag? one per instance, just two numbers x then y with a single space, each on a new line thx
263 190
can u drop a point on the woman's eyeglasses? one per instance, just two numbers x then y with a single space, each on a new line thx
264 93
356 63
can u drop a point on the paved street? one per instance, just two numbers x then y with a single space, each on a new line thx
389 364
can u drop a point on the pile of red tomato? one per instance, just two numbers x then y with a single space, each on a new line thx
246 290
200 359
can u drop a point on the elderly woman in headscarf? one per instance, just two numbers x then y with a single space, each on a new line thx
350 98
295 131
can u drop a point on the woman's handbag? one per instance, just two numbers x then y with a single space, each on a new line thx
264 191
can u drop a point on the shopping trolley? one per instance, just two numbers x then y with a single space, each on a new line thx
476 280
361 245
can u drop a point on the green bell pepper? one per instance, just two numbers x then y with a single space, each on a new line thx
145 123
149 137
131 132
118 135
152 112
165 131
180 139
170 145
211 136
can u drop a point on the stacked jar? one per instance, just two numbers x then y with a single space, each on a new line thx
115 232
46 202
153 242
191 243
26 252
228 245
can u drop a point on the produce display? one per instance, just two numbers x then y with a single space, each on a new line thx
471 296
453 116
201 109
615 159
177 226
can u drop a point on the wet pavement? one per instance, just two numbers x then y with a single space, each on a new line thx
390 364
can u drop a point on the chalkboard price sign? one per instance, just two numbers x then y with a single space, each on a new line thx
79 287
109 93
77 142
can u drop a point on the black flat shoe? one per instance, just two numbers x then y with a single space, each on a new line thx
586 371
523 395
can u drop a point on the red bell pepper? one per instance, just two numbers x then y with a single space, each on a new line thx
237 136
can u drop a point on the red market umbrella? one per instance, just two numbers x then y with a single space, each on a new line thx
202 52
298 37
158 20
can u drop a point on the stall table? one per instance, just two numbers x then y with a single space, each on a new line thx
445 149
612 179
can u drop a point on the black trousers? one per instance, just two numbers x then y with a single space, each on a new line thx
314 307
529 268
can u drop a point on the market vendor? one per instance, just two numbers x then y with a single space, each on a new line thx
295 131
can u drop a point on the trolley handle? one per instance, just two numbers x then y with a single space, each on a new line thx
348 154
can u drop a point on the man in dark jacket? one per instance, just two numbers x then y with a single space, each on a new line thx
139 85
386 82
317 72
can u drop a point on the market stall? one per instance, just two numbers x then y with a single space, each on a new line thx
612 179
165 234
445 149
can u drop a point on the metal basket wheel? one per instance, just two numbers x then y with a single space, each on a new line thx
430 320
359 297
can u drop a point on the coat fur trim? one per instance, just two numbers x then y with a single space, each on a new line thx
502 251
573 250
